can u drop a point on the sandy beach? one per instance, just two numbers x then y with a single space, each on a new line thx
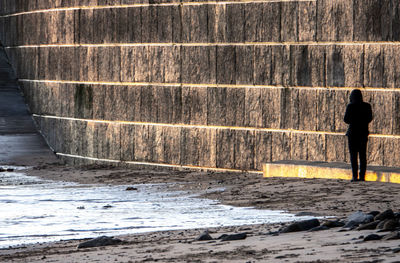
336 199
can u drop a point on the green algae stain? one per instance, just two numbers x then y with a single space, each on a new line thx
83 106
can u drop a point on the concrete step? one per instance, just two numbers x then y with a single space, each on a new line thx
8 83
6 71
326 170
4 75
9 88
12 104
20 142
25 149
22 124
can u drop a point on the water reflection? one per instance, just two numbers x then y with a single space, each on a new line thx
35 210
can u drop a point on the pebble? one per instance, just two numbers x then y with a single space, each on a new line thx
358 218
332 224
392 236
301 226
204 236
397 215
371 225
390 225
374 213
232 237
372 237
2 169
99 242
318 228
381 224
388 214
307 214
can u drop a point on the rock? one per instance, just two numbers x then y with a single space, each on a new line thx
372 237
222 236
396 250
318 228
234 237
204 236
370 225
388 214
107 206
3 169
381 224
130 188
397 215
374 213
332 224
351 224
307 214
100 242
358 218
390 225
272 233
301 226
392 236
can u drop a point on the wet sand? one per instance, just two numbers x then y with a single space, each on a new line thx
320 197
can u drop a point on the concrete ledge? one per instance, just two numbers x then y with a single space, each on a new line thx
324 170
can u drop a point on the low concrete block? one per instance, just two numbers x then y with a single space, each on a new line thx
323 170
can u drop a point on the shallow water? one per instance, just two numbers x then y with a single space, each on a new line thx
36 210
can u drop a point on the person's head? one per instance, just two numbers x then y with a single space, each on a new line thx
356 96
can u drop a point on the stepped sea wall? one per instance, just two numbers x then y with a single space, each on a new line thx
221 84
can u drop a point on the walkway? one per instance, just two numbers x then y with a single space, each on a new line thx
20 142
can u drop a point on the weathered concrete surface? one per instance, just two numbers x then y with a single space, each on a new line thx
219 84
20 143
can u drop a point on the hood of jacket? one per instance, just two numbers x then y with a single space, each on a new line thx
356 96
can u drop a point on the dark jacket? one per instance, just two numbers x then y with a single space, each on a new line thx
358 115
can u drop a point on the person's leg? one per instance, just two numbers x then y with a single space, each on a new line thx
363 158
353 158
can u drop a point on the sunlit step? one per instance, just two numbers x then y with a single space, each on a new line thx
325 170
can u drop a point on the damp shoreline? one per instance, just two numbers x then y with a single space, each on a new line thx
35 210
318 197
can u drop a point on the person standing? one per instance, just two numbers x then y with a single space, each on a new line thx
358 115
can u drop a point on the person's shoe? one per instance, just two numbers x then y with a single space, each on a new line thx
362 179
354 180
